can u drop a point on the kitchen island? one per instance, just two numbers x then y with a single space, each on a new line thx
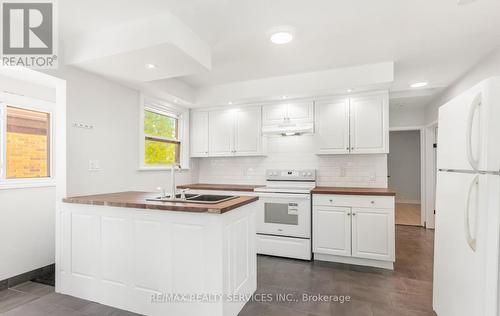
157 258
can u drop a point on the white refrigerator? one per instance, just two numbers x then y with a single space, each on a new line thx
467 228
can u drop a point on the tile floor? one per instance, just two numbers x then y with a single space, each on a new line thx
406 291
408 214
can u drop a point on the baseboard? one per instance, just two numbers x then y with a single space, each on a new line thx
389 265
27 276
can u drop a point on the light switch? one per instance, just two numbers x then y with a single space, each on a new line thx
94 165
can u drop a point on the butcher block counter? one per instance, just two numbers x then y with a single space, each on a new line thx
134 199
157 258
354 191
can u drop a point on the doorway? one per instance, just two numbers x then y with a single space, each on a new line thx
405 175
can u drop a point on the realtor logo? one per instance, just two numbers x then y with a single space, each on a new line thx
28 34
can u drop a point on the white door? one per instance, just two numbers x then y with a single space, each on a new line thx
199 134
248 137
461 246
369 124
332 121
371 233
332 230
274 114
221 133
300 111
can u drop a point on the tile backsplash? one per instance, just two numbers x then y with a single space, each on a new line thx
297 153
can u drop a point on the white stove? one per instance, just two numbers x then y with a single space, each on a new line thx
284 217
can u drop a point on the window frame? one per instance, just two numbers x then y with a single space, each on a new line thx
164 108
30 104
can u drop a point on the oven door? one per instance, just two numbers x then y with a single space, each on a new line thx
284 214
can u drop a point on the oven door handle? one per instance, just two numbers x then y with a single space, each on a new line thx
284 196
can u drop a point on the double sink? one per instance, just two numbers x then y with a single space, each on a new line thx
195 198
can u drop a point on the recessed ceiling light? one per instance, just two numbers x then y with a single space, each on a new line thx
230 103
150 66
283 97
281 37
349 90
419 84
176 101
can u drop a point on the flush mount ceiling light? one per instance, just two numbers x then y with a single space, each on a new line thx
150 66
419 84
281 38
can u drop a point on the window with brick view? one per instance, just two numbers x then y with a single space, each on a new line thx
28 144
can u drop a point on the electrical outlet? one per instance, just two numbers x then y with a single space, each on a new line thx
94 165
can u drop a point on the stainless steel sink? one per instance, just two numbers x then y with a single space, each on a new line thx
196 198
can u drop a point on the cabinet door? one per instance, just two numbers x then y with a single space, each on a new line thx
248 137
333 126
373 233
273 114
369 124
199 134
332 230
221 133
302 111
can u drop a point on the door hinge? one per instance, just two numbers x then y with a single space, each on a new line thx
434 212
435 145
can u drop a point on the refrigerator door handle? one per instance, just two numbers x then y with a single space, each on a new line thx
474 162
471 241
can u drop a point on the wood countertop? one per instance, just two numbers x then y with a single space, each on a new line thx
354 191
220 187
134 199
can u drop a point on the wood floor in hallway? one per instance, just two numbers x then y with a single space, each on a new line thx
408 214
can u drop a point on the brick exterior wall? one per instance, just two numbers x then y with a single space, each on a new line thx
27 155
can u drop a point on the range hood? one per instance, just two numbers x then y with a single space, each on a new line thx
288 129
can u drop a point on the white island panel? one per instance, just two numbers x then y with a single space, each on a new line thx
125 257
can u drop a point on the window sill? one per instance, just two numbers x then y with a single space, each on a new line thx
26 184
160 169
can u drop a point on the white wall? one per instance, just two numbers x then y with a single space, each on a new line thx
406 116
487 67
403 164
113 110
297 152
27 215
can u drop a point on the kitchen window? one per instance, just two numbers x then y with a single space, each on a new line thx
25 142
162 139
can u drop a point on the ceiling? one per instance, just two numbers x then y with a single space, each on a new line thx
429 40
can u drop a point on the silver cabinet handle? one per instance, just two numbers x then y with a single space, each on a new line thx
353 214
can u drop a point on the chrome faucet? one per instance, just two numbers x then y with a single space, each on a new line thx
173 186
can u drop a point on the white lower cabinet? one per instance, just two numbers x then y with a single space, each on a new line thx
332 230
354 230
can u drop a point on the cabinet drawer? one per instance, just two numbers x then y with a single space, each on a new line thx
366 201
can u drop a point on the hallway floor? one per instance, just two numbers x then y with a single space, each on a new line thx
408 214
406 291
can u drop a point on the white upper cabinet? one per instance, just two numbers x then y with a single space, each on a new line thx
274 114
333 126
356 125
248 135
369 124
227 132
293 112
221 133
199 134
